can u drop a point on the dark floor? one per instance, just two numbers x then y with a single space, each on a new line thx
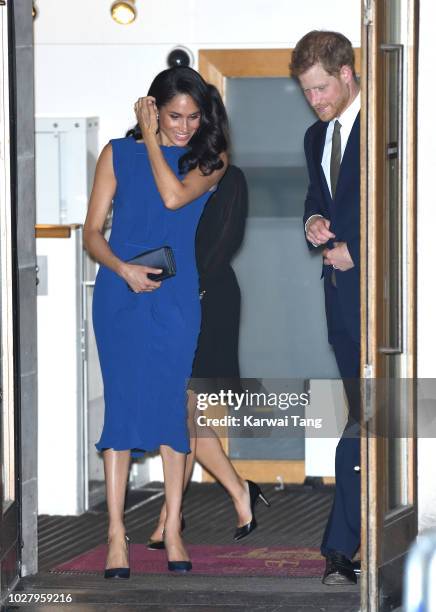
296 518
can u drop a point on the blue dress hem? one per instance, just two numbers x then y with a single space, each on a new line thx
138 451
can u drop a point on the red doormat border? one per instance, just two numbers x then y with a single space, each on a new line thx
210 561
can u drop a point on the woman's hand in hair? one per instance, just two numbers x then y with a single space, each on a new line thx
147 116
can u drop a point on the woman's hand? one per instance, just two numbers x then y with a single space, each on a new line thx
137 277
147 116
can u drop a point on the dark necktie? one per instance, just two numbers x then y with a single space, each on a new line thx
335 159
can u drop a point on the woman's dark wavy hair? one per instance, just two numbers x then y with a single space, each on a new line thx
211 138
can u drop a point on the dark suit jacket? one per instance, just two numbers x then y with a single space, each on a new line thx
344 214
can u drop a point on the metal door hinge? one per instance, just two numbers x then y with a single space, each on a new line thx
368 389
367 371
83 342
368 16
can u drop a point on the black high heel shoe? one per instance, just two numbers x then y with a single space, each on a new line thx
179 566
255 494
155 544
120 572
160 544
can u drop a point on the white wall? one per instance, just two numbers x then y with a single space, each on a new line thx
426 251
60 409
86 64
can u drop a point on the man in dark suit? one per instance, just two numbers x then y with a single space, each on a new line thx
323 62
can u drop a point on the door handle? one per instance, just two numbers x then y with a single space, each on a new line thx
390 350
392 141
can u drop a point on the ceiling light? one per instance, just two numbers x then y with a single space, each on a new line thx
123 11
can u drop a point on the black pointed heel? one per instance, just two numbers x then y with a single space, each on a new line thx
255 494
155 545
120 572
179 566
160 544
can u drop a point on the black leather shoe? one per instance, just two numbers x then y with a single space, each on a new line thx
338 570
160 544
119 572
356 567
255 494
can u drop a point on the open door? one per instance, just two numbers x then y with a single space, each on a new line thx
389 43
9 508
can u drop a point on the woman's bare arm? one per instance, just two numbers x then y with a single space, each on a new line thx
174 192
95 243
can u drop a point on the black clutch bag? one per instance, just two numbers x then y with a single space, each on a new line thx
162 258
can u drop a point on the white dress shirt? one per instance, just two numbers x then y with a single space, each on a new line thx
346 120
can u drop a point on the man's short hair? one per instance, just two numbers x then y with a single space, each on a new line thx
331 49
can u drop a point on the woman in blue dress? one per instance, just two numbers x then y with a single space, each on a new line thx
158 181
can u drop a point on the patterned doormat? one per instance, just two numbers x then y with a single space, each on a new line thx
210 561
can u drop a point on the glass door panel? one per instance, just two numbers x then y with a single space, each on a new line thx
282 317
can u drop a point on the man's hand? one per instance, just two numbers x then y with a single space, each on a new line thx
317 231
339 257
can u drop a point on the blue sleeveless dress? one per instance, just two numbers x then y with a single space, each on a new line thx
146 342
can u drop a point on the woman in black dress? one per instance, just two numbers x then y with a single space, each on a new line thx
219 236
216 365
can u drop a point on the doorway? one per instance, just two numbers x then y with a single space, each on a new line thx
387 64
282 317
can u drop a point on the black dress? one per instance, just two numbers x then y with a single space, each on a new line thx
219 236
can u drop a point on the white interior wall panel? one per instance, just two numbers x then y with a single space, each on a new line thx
60 411
244 22
86 64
